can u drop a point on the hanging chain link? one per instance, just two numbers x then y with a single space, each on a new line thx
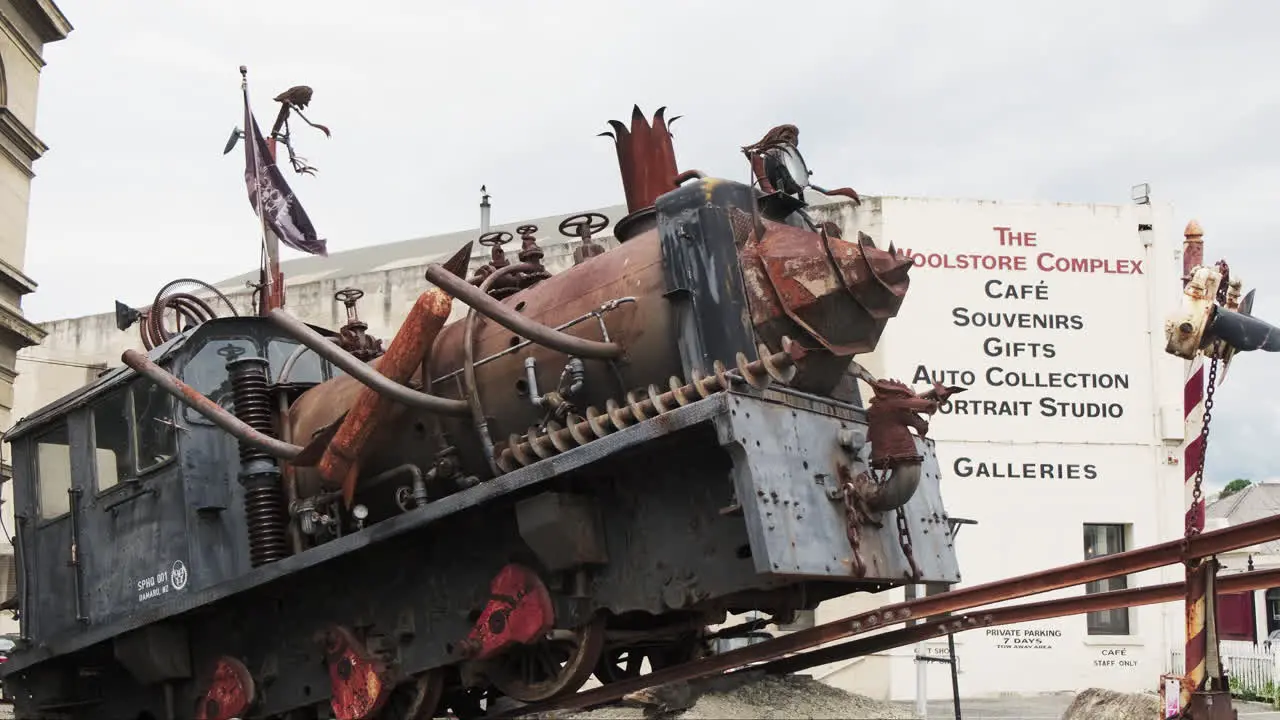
904 539
1193 517
854 517
858 514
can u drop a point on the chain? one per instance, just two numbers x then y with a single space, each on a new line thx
1196 493
1193 516
857 514
853 522
904 539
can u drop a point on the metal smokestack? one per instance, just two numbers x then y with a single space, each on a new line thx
484 210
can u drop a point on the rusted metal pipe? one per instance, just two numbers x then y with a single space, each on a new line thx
351 445
287 475
1132 561
366 375
897 490
286 370
210 410
1009 615
417 481
688 175
473 297
469 369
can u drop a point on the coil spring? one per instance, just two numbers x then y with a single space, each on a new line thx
265 519
535 445
252 398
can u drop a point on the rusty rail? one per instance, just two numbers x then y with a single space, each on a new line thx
1132 561
541 334
193 399
1009 615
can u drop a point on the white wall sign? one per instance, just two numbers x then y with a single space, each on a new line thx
1040 312
1024 638
1115 657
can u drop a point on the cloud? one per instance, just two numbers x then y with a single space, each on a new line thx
427 101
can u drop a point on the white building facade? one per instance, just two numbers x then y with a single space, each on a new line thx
1064 446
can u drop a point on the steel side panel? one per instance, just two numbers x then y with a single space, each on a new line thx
785 488
193 598
928 527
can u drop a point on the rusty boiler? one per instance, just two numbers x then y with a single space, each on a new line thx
710 277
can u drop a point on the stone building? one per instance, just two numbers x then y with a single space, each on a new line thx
26 26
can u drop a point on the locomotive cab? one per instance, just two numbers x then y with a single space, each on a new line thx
123 496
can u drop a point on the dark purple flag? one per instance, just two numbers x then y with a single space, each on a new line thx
281 211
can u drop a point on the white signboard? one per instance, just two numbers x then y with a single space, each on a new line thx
1040 311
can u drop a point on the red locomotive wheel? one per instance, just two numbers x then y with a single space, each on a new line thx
553 666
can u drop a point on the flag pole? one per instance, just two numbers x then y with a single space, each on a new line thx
270 277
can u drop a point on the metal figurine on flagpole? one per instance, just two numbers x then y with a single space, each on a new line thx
282 216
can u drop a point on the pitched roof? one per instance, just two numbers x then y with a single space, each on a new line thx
1253 503
405 253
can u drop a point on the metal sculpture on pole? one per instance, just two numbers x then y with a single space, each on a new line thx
1212 324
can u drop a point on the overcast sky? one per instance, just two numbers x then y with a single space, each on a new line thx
1067 101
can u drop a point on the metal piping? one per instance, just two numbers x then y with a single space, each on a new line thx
897 490
208 408
286 370
531 378
366 374
598 314
475 298
469 369
290 480
417 480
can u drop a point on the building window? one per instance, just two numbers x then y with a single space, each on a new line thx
111 440
53 472
1102 540
154 427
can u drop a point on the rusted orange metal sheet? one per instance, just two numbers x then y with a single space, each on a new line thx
404 357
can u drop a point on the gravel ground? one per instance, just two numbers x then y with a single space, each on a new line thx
786 698
1049 706
794 698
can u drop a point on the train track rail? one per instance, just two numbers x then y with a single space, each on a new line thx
802 649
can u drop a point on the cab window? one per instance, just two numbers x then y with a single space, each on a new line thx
206 372
113 455
53 471
308 367
155 432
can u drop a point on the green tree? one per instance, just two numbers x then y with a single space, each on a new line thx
1234 487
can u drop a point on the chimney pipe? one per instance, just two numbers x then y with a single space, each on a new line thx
647 161
484 210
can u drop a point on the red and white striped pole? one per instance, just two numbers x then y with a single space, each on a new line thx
1193 449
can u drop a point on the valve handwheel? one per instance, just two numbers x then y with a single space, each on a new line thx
348 296
497 237
591 223
525 230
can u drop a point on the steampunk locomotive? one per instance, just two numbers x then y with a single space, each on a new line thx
584 474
